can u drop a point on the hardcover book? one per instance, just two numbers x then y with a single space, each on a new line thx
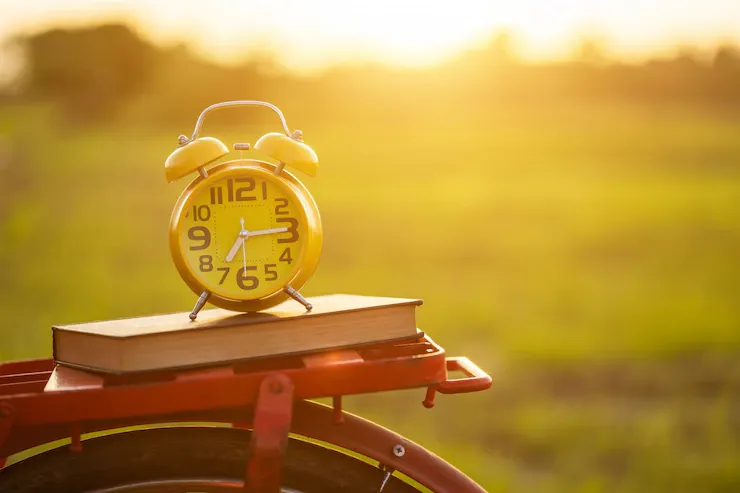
220 336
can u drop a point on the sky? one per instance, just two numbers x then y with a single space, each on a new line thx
313 34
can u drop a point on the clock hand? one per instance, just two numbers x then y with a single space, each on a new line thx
244 234
265 232
244 255
238 243
235 248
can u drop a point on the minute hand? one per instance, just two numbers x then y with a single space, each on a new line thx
264 232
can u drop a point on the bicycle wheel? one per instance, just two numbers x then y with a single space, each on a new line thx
187 460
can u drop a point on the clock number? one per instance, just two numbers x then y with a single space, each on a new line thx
217 195
201 213
244 281
240 191
240 194
292 229
283 204
206 263
272 273
226 273
264 190
285 256
200 233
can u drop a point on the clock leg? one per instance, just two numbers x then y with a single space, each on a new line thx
297 296
199 304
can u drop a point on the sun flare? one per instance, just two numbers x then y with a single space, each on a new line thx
306 35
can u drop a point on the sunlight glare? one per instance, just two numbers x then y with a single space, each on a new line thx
310 35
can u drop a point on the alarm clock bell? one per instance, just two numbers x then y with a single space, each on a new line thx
195 153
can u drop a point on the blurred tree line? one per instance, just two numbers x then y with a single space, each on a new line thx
99 72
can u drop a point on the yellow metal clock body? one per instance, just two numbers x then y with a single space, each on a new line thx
245 234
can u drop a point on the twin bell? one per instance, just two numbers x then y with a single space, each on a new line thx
195 154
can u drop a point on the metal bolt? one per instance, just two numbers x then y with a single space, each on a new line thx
398 450
276 387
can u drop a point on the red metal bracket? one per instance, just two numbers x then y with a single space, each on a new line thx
474 381
337 407
75 437
272 418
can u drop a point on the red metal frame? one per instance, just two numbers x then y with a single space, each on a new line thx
272 418
39 404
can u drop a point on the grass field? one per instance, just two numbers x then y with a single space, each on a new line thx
588 259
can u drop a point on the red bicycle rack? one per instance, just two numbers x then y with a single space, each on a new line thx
41 402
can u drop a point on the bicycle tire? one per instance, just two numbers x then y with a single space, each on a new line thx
174 459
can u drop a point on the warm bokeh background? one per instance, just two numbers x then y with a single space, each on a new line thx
568 210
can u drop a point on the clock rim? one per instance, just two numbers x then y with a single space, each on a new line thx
309 211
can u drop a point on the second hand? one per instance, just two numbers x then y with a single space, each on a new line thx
244 249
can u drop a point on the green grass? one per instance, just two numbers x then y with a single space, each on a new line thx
588 259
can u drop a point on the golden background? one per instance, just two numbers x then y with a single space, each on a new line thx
572 224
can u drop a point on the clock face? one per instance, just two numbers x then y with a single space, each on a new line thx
242 236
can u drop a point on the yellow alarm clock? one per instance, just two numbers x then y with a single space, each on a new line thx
245 234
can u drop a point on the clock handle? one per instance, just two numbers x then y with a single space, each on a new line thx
184 140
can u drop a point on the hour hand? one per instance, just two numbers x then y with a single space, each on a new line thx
234 249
